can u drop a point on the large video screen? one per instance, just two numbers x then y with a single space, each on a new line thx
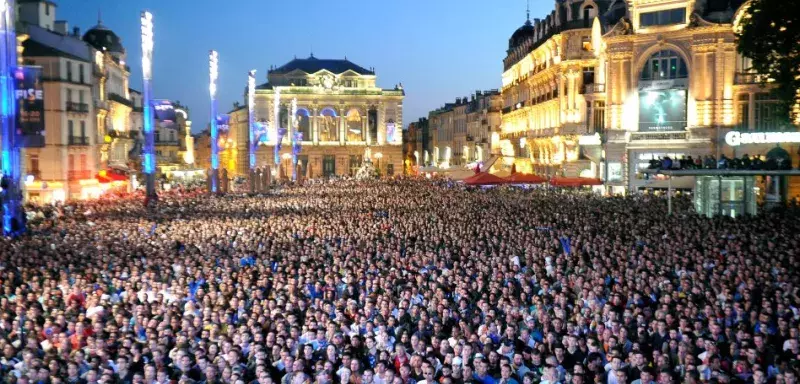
29 93
662 110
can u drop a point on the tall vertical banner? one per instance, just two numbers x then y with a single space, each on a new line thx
294 138
276 111
29 95
213 72
251 118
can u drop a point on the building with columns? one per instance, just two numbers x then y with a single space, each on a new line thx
600 87
341 116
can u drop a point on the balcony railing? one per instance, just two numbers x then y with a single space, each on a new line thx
594 88
167 142
120 99
749 78
78 141
79 175
77 107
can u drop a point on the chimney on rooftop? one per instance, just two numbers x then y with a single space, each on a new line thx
76 31
61 27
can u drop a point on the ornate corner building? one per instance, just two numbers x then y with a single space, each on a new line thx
598 88
341 117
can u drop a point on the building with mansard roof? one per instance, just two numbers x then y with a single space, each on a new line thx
342 117
599 88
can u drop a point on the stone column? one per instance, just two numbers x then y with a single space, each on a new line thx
365 124
381 124
315 126
342 118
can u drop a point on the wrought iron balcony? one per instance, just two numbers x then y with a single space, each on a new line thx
77 107
749 78
77 140
594 88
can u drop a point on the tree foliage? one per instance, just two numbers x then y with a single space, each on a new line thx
769 34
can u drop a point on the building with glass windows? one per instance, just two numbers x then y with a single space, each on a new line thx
601 87
341 117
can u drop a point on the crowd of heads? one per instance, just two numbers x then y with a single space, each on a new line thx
398 282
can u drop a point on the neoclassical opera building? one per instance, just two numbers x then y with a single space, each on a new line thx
598 88
341 114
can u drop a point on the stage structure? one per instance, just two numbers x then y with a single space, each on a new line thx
212 87
13 214
251 89
148 126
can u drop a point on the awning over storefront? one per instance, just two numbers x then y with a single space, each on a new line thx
484 178
574 181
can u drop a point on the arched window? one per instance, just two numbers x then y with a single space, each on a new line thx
355 130
664 65
304 124
328 125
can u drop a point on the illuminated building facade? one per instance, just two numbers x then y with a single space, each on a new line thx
67 164
599 88
342 116
460 132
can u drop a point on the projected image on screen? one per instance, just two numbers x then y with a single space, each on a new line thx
662 110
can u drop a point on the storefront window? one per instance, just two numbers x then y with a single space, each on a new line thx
766 112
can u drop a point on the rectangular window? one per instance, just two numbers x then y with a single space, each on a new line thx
34 164
743 112
84 163
766 116
599 116
69 70
71 162
70 129
83 130
666 17
69 95
328 165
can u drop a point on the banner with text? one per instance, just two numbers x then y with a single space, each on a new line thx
29 94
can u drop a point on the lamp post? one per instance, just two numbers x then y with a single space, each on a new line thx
212 88
148 157
13 214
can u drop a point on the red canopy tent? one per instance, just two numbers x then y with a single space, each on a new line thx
574 181
484 178
522 178
105 177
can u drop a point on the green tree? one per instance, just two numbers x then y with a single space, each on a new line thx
769 34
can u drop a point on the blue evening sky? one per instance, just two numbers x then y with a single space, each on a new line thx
438 49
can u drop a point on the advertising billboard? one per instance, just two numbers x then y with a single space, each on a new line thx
662 110
29 94
165 113
223 123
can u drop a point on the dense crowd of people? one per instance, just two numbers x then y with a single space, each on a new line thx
398 282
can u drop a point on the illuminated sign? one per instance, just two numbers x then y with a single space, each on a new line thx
736 138
662 110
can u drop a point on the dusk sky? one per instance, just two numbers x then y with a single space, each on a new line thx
438 49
